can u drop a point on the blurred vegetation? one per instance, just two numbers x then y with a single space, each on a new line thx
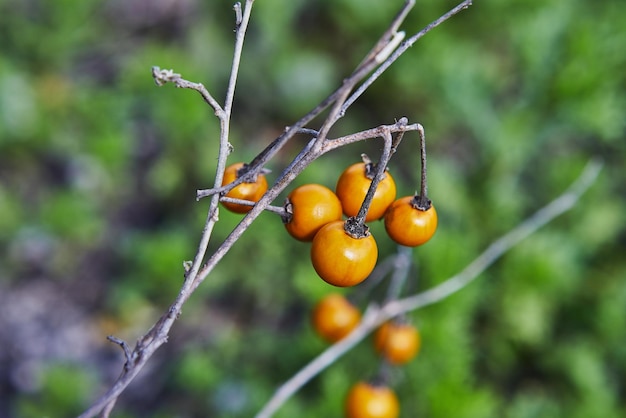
99 167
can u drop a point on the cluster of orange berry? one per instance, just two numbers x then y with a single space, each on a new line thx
333 318
314 213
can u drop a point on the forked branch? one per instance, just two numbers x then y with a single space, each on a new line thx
196 272
375 315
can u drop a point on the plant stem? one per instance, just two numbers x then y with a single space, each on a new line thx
401 50
421 200
381 166
158 334
375 316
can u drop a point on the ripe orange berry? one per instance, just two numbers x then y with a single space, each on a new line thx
408 225
397 342
245 191
311 207
366 400
334 317
340 259
352 187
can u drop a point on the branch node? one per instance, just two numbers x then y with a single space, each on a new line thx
162 77
187 264
127 352
238 15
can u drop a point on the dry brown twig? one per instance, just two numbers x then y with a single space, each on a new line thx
384 53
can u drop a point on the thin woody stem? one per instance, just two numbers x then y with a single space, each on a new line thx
275 209
242 19
158 334
374 315
424 180
421 201
380 173
338 97
356 226
162 77
329 145
399 51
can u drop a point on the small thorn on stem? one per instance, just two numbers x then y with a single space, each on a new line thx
125 347
238 14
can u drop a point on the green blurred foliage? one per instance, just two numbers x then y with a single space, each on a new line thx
99 167
64 390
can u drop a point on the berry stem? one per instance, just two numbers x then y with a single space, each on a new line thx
270 208
421 200
380 173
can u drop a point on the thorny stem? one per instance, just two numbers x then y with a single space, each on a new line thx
375 315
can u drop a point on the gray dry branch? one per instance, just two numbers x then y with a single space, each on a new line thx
376 315
382 55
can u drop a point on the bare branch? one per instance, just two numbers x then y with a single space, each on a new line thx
389 34
158 334
321 362
398 52
374 316
195 272
398 127
161 77
546 214
338 96
124 346
242 22
274 209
